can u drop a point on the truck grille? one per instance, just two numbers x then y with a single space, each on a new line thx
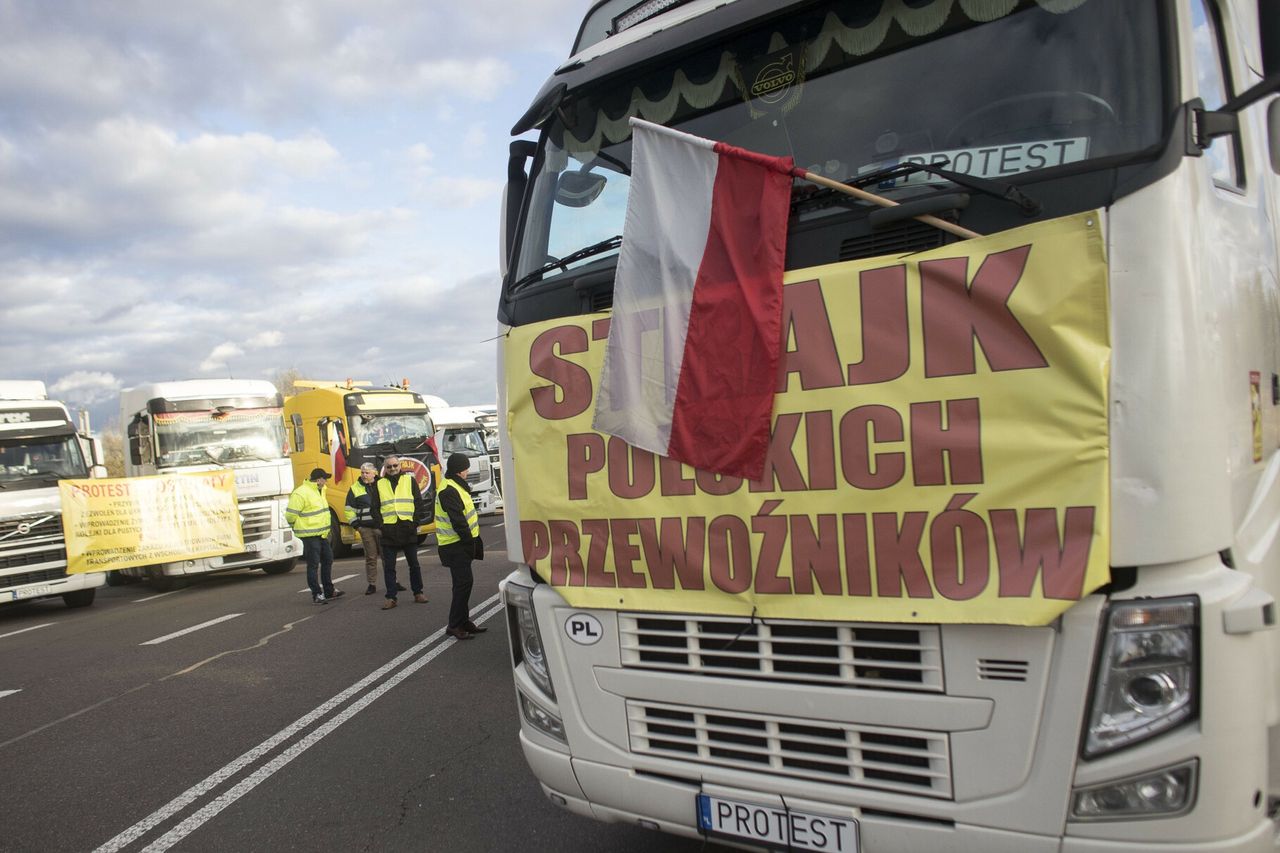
900 760
255 521
34 540
896 657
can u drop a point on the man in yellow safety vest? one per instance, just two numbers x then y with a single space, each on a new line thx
397 512
458 538
308 515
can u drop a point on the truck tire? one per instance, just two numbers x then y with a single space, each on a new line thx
280 567
161 583
80 598
340 548
116 579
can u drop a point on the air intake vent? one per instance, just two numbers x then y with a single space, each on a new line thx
990 669
875 657
906 761
900 239
600 300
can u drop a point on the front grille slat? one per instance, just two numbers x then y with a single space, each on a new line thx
848 655
899 760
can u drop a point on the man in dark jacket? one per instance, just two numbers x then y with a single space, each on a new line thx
458 541
359 514
397 511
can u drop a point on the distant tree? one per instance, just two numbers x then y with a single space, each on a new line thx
113 450
284 380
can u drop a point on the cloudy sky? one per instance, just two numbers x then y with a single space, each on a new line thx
214 188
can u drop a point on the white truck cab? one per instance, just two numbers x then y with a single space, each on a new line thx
39 446
460 429
209 424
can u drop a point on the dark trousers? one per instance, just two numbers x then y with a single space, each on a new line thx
459 562
389 553
319 555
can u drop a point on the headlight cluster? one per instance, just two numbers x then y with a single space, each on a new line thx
526 641
527 648
1164 793
1146 681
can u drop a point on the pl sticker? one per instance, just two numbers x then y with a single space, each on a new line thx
584 629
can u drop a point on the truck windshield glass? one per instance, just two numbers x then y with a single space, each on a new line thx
847 88
467 441
371 430
201 437
32 463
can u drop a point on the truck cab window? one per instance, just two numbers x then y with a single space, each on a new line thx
1213 83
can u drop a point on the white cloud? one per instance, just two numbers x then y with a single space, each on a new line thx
218 358
267 339
85 387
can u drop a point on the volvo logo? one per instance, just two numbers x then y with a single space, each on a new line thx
24 528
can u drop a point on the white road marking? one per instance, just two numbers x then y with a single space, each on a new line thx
154 597
335 580
25 630
4 693
303 723
253 780
175 634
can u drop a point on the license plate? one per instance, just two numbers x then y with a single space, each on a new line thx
252 546
775 827
32 591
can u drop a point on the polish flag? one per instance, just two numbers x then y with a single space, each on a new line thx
337 457
694 340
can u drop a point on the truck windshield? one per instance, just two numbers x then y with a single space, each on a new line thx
849 88
390 428
32 463
201 437
466 440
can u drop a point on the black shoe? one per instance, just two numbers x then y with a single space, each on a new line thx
371 590
473 628
337 593
399 587
460 634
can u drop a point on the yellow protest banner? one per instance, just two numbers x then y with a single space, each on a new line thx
139 521
939 450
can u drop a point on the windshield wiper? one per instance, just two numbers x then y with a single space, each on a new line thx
996 189
563 263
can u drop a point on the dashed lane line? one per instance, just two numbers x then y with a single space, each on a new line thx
4 693
154 597
167 637
335 580
25 630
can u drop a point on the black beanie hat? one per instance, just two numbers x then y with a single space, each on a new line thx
317 474
458 462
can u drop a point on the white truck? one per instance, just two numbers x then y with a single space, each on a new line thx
1146 715
460 429
206 424
39 446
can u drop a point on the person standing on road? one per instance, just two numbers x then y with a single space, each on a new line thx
359 514
458 541
396 513
308 515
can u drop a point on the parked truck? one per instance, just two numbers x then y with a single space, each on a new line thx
39 446
176 427
461 429
338 426
1008 581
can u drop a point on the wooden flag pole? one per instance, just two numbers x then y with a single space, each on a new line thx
949 227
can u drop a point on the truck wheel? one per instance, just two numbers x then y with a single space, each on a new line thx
340 548
162 583
281 566
116 579
79 598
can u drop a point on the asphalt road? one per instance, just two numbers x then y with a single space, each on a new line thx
278 725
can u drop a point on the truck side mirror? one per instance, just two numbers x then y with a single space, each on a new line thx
299 434
135 441
513 196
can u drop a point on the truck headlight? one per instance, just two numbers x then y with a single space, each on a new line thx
526 641
1158 793
1146 680
540 718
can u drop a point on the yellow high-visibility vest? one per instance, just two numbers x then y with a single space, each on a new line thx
445 534
348 512
398 505
308 511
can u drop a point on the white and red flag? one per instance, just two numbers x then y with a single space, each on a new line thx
691 361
